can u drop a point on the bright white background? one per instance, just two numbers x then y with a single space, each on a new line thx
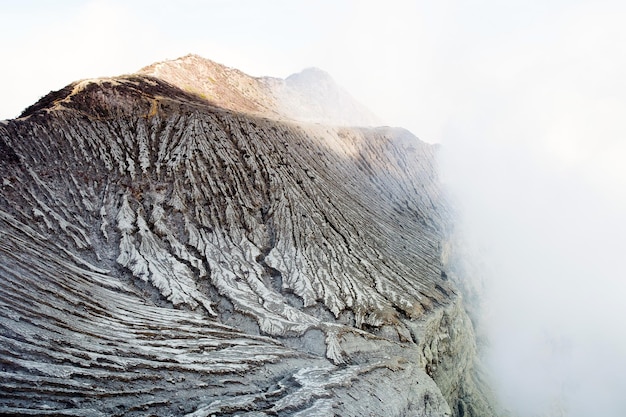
528 99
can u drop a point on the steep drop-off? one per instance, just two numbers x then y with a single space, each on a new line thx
160 255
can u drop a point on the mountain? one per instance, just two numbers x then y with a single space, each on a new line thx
175 244
309 96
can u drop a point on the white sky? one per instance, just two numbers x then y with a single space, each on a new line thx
528 98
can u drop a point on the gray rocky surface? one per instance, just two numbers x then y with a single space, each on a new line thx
162 255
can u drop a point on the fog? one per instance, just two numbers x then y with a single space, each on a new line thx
535 162
527 99
551 249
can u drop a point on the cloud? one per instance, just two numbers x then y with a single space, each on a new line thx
553 245
536 163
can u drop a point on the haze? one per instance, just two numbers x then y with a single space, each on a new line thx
527 98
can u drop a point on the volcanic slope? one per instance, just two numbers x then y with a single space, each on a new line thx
160 255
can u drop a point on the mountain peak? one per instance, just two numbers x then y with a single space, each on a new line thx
313 95
189 62
310 95
312 73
